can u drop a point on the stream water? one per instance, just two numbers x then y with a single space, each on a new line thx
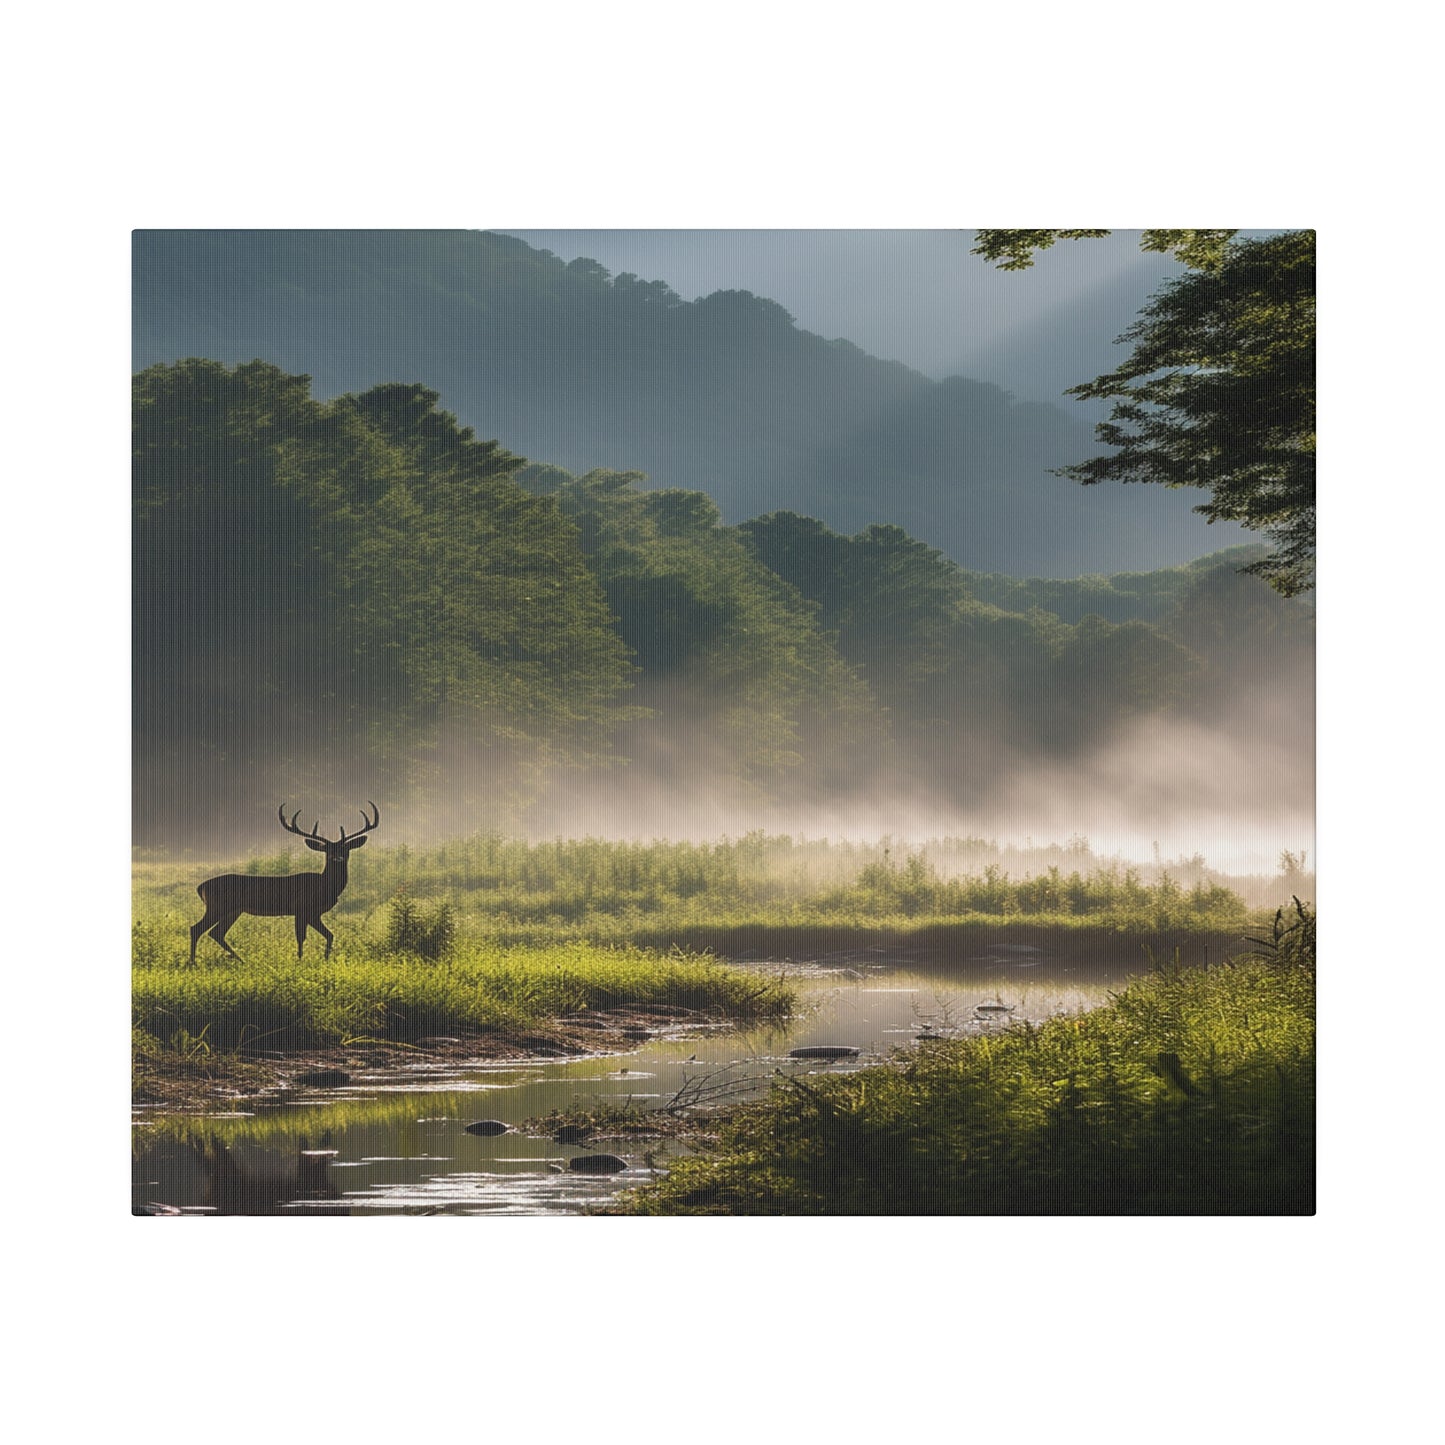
396 1141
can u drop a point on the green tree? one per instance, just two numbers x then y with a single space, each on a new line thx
1219 390
964 683
1014 250
348 595
1107 673
1246 636
482 593
902 617
238 669
735 669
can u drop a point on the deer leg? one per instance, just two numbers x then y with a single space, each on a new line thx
219 934
197 930
301 924
325 932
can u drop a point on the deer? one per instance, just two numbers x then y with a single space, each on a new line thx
302 896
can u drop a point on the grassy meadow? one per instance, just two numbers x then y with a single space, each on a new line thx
512 891
492 934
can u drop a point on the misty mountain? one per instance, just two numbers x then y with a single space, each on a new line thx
916 296
567 364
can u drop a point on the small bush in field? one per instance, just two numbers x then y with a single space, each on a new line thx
427 934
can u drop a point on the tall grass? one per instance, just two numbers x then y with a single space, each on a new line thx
1192 1092
567 879
590 888
271 1001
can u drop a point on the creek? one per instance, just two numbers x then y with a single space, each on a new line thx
395 1141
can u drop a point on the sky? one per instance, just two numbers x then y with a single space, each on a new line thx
915 296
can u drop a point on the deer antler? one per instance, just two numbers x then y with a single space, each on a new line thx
301 832
369 824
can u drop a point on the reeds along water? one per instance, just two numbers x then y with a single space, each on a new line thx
571 878
718 895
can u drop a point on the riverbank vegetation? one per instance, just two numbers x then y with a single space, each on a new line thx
499 938
274 1002
230 1026
1191 1092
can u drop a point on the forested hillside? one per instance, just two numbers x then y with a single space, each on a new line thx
725 394
331 596
359 598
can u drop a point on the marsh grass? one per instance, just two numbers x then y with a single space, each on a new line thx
1190 1092
705 895
765 877
490 933
272 1002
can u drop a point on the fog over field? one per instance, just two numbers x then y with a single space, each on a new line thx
1170 789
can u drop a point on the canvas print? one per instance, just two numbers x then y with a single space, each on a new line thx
723 722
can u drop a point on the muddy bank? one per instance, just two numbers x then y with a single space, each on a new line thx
199 1083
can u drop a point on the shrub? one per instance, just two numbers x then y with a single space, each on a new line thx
427 934
1292 944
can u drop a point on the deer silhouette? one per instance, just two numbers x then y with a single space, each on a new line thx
302 896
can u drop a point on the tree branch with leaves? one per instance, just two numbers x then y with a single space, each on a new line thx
1219 391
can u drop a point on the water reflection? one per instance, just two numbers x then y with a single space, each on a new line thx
205 1174
396 1141
235 1185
